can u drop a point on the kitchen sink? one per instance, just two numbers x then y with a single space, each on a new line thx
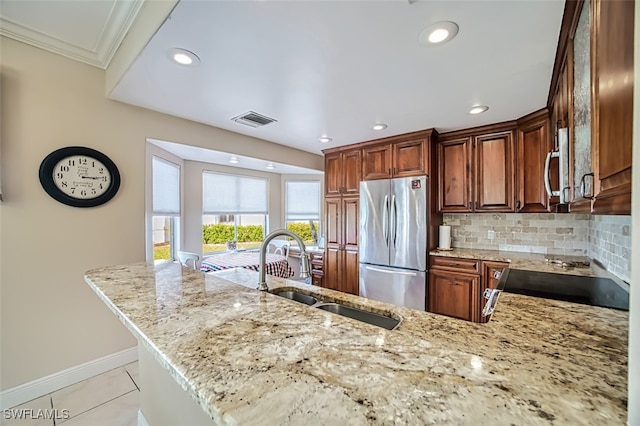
337 308
298 297
360 315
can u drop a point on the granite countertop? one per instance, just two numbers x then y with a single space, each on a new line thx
251 357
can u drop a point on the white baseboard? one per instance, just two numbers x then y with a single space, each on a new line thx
141 420
39 387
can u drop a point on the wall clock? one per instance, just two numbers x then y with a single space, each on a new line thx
79 176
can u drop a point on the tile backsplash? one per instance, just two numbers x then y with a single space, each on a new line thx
604 238
610 243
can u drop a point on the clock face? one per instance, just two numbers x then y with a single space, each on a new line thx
79 176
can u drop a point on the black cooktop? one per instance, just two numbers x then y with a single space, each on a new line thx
593 291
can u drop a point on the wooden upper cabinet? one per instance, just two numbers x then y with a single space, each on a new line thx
494 172
342 172
454 176
476 170
612 115
533 144
397 158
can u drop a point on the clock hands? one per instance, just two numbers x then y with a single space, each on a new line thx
92 177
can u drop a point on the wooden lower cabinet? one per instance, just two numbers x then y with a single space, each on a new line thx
341 270
454 294
456 286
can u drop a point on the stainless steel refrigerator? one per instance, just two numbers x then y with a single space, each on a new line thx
393 240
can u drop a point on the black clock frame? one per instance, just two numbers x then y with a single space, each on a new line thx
50 162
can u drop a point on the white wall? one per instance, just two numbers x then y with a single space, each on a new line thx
50 319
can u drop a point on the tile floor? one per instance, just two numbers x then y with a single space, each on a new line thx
110 399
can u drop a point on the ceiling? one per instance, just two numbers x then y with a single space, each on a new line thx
322 68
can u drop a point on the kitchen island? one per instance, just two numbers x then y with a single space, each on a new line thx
250 357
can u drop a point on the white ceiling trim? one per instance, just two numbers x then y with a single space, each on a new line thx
114 30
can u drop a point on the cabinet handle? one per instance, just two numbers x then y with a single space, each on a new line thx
476 205
453 264
389 171
518 205
497 274
583 186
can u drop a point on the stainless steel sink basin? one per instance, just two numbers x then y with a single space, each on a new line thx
298 297
360 315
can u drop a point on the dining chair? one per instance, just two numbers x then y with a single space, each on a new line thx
280 247
185 257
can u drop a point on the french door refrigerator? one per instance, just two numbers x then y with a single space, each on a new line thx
393 240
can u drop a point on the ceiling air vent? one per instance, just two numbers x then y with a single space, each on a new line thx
253 119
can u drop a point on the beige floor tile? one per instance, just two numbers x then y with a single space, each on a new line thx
122 411
33 413
133 371
92 392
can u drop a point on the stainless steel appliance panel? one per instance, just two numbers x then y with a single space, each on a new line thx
373 238
408 223
397 286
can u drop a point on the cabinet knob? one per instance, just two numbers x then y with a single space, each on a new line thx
518 205
497 274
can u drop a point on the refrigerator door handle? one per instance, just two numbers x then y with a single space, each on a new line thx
395 272
385 220
394 224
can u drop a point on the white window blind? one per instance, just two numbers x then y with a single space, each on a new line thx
166 187
231 194
303 200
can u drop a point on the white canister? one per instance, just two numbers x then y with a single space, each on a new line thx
445 237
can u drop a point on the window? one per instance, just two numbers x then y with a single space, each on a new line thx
302 209
166 209
234 211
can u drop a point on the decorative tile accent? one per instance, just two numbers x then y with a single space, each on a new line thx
546 233
606 239
610 243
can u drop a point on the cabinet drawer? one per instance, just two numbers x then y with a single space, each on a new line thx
455 263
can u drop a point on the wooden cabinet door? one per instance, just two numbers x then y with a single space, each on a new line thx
350 222
376 162
332 278
533 143
454 294
332 211
613 104
351 269
491 273
351 172
333 174
494 172
454 176
410 158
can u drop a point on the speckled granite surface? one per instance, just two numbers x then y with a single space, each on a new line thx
250 357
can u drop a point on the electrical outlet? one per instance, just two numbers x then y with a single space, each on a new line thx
491 234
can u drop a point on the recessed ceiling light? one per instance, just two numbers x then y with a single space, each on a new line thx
270 166
184 57
233 160
438 33
325 139
379 126
478 109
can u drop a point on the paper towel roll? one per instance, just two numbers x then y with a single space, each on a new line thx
445 237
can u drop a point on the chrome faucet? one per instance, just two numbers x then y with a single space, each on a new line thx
304 259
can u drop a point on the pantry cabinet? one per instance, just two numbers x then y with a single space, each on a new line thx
341 268
476 170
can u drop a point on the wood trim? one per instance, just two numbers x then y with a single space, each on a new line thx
429 134
567 30
480 130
